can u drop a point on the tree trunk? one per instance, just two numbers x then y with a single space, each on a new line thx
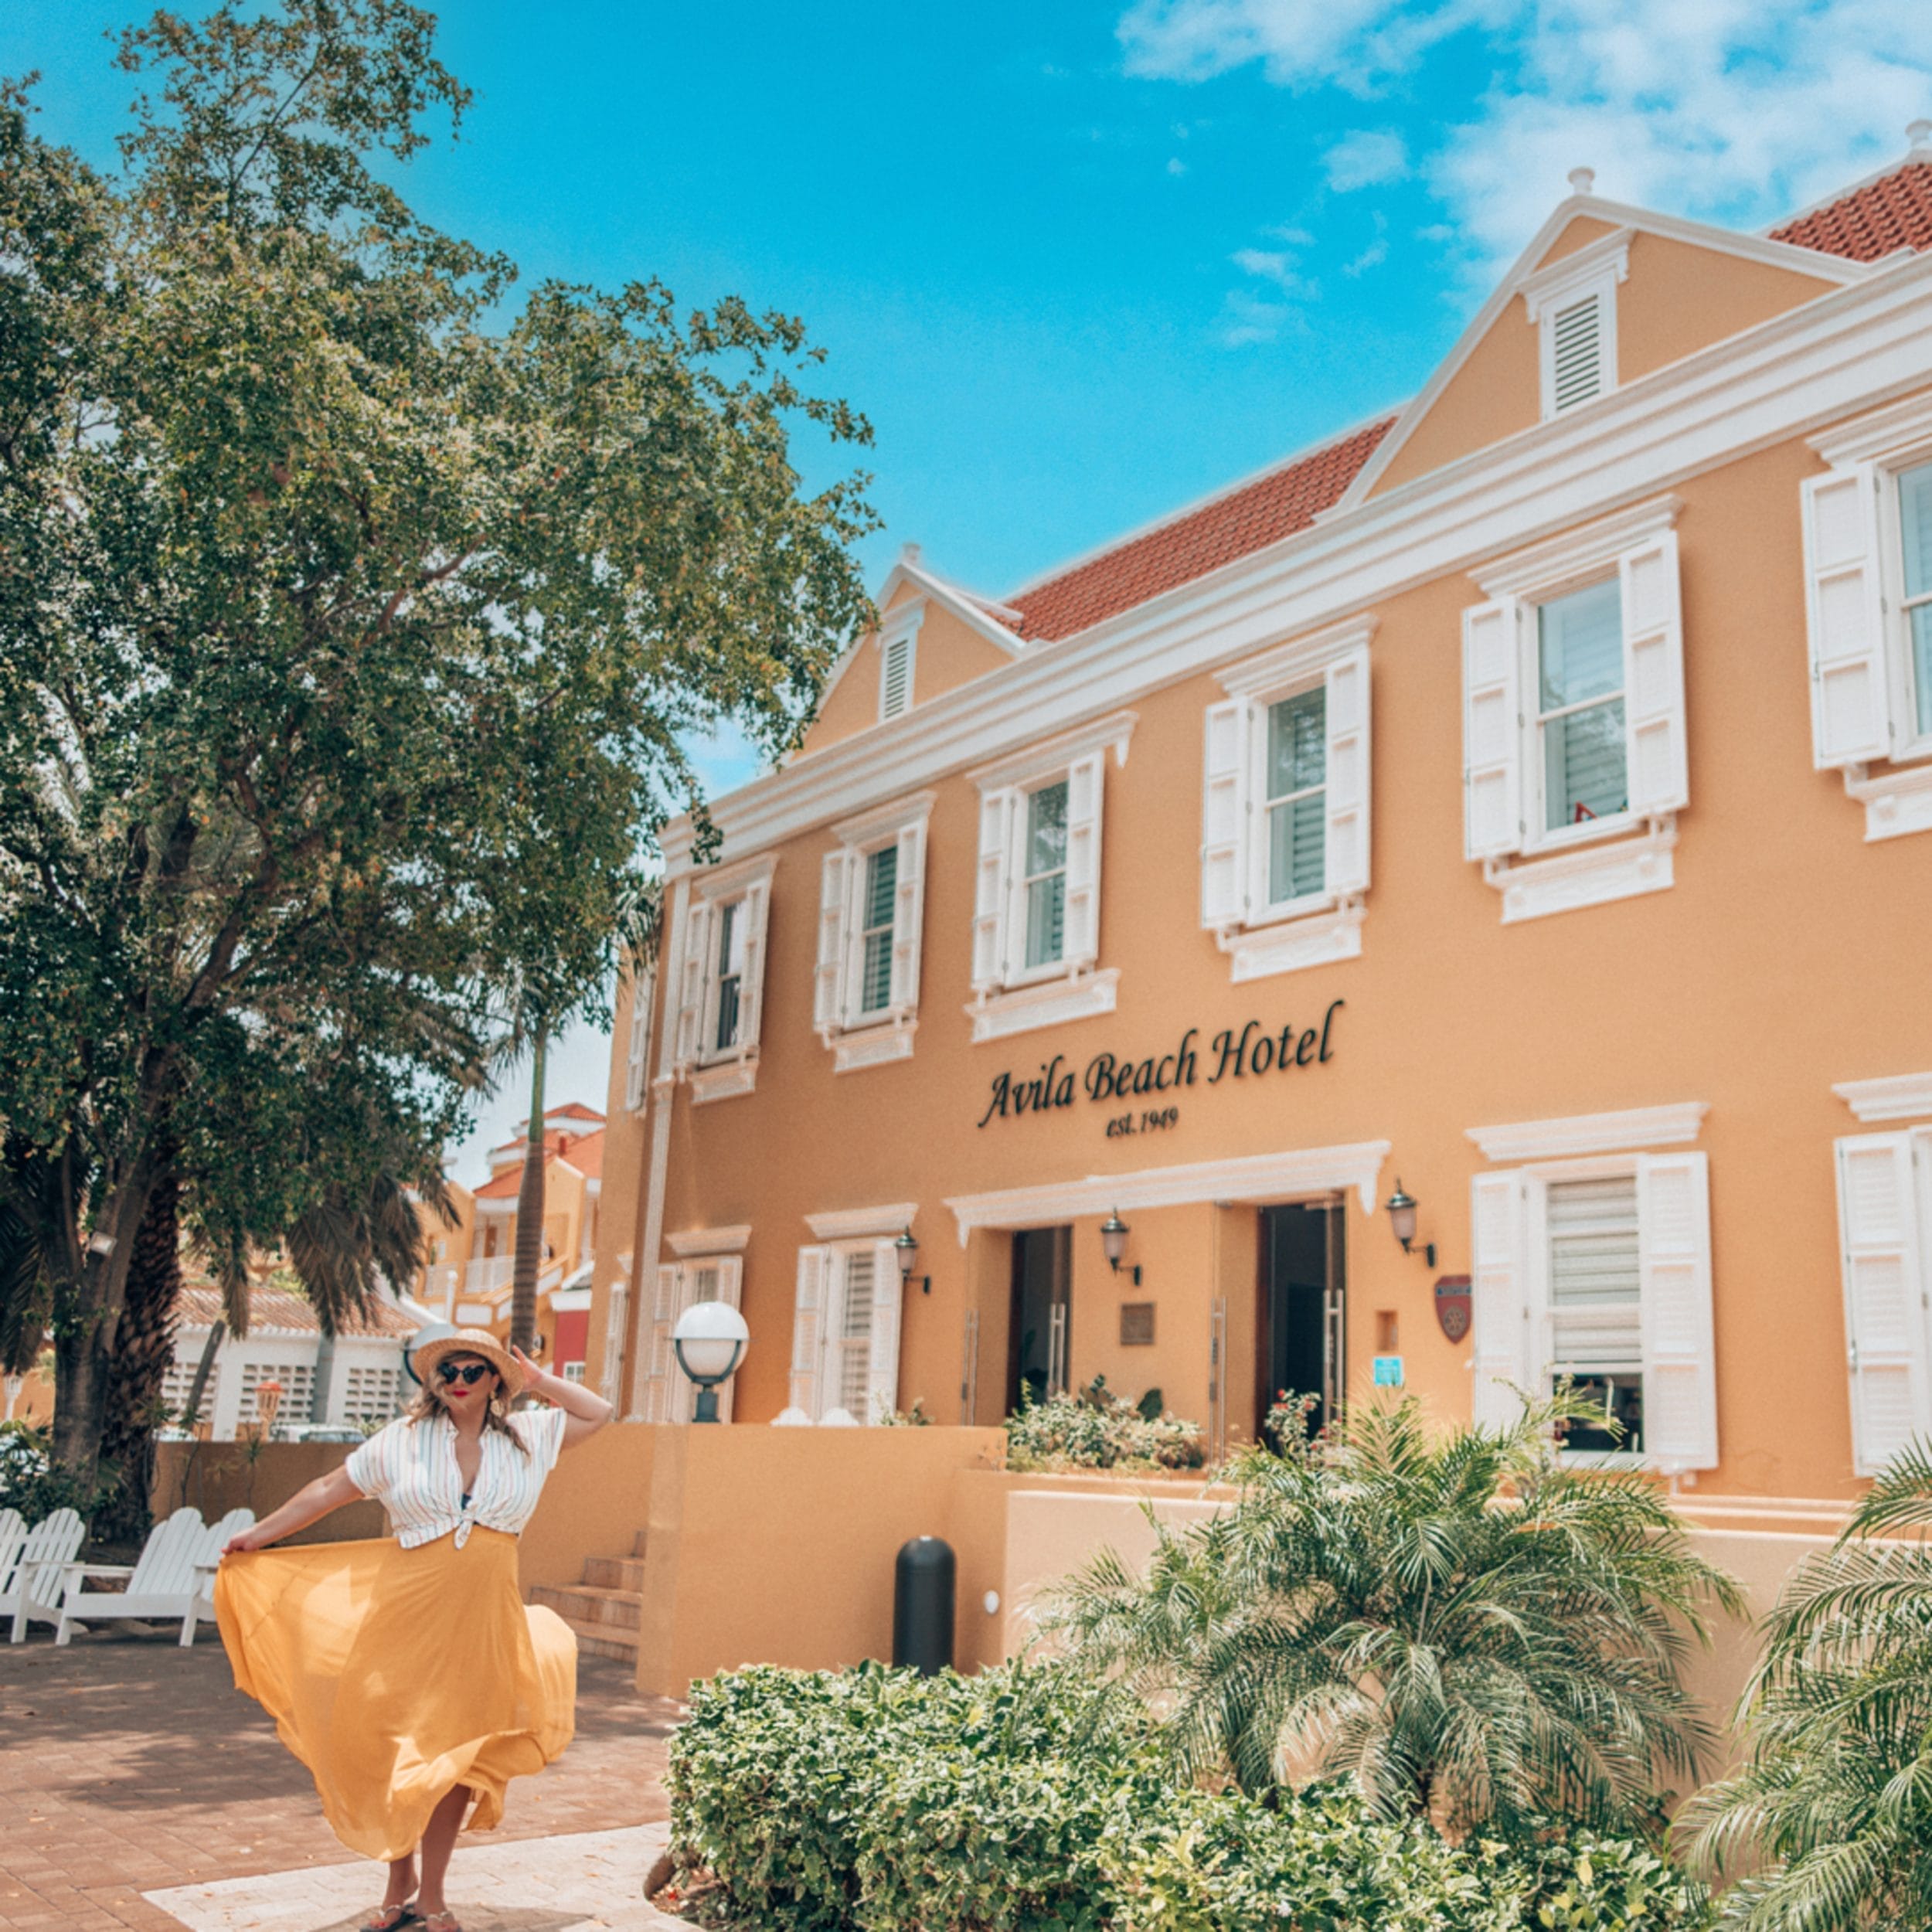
144 1350
530 1216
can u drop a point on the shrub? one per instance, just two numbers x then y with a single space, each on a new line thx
1098 1430
32 1482
1028 1800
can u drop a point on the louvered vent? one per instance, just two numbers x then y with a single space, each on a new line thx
1577 333
896 692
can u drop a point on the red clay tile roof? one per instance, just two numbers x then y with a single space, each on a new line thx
586 1155
509 1184
1892 213
275 1311
1244 520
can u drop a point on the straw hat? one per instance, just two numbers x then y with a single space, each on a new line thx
426 1355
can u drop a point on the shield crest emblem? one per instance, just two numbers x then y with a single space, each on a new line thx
1453 1305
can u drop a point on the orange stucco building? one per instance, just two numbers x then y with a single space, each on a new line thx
1523 803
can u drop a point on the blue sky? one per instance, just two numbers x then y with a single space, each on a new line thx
1080 263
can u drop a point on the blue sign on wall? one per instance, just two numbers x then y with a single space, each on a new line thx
1388 1371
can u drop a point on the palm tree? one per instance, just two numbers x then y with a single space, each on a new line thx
1835 1804
1471 1629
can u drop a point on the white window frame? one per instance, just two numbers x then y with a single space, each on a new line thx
709 1267
899 632
1858 632
1884 1256
1261 937
1538 869
1009 996
717 1073
1514 1317
857 1037
1592 272
818 1338
637 1062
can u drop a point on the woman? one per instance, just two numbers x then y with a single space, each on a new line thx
408 1676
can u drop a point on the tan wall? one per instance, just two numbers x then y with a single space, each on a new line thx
217 1477
1678 299
778 1545
1786 957
35 1403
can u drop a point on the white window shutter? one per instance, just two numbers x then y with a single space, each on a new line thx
908 913
992 896
757 907
1845 618
1085 788
1674 1262
1499 1293
882 1392
829 1012
1227 783
657 1364
729 1288
693 972
637 1064
1491 730
1345 775
1886 1286
617 1328
1653 677
807 1329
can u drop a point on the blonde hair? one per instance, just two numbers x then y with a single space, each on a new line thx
496 1412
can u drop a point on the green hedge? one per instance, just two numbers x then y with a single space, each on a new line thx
1025 1800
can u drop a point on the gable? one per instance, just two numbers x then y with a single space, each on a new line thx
1682 294
948 652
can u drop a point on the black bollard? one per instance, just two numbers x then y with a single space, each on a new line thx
923 1605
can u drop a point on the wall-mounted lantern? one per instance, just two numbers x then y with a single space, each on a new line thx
1114 1233
906 1252
1402 1222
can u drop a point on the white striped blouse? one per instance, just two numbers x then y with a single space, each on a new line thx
410 1467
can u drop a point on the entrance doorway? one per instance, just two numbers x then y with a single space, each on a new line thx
1042 1306
1302 1304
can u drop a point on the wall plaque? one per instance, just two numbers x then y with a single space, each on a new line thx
1137 1325
1453 1304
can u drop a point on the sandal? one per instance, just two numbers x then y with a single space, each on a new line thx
390 1917
441 1922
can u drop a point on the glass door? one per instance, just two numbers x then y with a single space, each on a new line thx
1038 1336
1302 1345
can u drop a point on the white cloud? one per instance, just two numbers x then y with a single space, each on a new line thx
1247 319
1732 110
1375 254
1271 265
1175 166
1365 159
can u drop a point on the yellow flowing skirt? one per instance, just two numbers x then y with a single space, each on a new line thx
396 1674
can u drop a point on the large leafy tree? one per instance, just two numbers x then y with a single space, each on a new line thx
1834 1810
1469 1629
351 612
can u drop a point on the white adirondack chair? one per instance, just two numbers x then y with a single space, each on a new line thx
34 1588
13 1533
174 1577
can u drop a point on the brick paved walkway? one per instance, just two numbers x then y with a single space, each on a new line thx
129 1765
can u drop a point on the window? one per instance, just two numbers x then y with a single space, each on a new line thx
1044 873
1599 1272
636 1065
371 1397
1284 814
1573 304
1868 560
1036 902
719 978
871 908
1884 1228
297 1402
898 647
1579 717
1573 725
573 1372
845 1326
668 1394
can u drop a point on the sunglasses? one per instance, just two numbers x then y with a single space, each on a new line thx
472 1373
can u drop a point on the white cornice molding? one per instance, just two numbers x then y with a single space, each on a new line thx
855 1224
1606 260
1544 566
969 611
1843 352
688 1243
719 881
913 810
1882 432
1896 1097
1301 656
1058 1001
1897 799
1103 734
1304 1174
1629 1131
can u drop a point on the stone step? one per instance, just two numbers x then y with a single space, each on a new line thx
605 1640
586 1603
614 1573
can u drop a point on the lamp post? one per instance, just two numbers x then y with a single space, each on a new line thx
709 1341
1402 1222
905 1252
1114 1233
